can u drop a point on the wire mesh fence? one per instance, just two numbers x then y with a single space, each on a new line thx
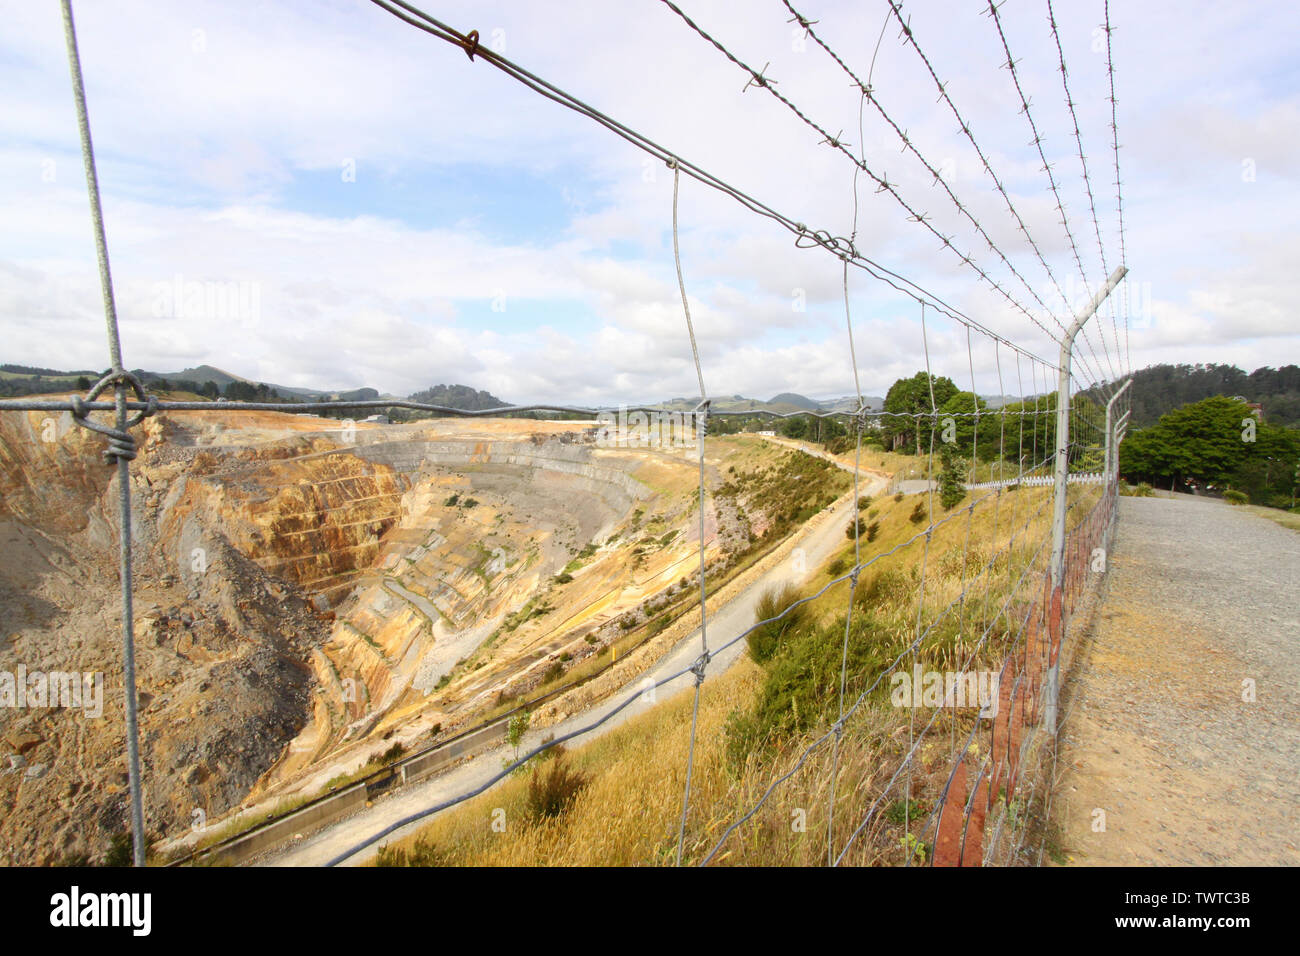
907 685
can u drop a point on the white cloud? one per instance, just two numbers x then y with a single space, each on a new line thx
205 118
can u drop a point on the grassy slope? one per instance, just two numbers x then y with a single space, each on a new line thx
630 809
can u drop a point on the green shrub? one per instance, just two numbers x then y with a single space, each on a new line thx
918 513
554 672
765 640
553 792
855 528
801 689
452 501
1236 497
564 577
873 530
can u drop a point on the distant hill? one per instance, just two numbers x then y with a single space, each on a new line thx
457 396
200 374
222 378
1159 389
796 401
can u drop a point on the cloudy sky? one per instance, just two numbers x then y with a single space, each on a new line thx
341 200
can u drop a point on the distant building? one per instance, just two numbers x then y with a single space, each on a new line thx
769 434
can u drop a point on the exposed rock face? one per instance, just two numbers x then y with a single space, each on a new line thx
219 657
290 587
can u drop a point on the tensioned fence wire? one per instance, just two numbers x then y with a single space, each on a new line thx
1029 635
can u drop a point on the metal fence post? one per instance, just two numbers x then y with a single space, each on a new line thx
1057 607
1110 444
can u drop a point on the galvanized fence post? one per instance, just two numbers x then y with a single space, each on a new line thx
1056 610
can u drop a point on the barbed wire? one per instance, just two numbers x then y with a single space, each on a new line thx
1037 143
1083 163
1119 189
759 79
868 94
805 237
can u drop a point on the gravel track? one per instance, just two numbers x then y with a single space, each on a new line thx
1203 597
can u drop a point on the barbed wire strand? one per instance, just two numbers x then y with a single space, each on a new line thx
1037 143
757 77
1087 180
1119 188
839 246
868 94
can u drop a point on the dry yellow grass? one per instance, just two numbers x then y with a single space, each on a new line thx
630 810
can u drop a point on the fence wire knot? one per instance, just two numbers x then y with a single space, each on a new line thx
698 667
701 413
121 444
470 44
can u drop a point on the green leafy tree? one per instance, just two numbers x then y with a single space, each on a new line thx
1216 442
516 727
911 397
957 420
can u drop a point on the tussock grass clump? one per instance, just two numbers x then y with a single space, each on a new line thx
553 792
764 641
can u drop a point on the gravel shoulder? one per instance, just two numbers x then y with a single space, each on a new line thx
1161 734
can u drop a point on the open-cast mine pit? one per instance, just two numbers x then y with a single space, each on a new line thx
310 593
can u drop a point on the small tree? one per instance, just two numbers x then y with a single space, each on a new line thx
952 479
873 529
918 513
515 730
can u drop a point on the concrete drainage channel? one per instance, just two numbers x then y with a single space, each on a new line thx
331 807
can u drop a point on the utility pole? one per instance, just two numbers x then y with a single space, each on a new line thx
1056 612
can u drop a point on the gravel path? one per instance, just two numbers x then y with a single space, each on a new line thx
1203 598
